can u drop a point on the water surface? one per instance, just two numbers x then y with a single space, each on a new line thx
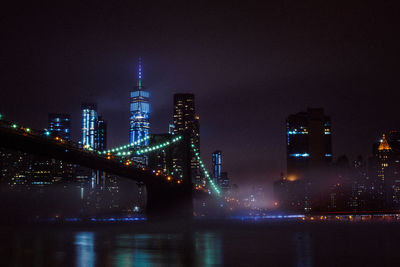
203 244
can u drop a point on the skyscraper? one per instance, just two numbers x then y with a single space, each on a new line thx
216 163
139 111
385 175
60 125
186 121
101 133
89 125
309 145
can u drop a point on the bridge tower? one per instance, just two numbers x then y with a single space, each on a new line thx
175 203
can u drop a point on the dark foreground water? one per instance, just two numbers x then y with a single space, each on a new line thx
203 244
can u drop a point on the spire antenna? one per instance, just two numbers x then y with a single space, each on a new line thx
139 82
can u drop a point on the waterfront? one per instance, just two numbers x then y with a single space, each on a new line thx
228 243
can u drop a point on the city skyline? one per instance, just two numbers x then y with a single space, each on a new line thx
330 67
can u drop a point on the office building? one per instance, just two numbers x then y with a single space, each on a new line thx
187 122
224 181
217 165
309 142
101 134
89 125
60 125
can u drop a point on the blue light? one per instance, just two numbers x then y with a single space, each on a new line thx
328 155
297 132
299 155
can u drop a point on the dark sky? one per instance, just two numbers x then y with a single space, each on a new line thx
249 66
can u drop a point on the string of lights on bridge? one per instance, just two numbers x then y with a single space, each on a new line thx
197 154
121 148
158 146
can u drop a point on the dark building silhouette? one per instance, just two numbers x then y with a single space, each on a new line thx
60 125
217 166
309 145
224 181
101 134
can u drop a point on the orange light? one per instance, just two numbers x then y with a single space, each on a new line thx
169 178
57 138
275 203
179 181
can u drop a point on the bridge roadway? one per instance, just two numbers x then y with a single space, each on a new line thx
165 198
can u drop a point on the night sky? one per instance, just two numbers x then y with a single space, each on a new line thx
248 65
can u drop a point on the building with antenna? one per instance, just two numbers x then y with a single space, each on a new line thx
139 111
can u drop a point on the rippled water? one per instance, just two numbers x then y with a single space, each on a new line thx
203 244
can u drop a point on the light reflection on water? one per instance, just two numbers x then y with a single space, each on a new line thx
84 244
198 249
244 244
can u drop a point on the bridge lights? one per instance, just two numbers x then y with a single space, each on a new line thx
14 126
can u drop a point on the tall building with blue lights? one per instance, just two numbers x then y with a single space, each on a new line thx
309 142
89 125
139 111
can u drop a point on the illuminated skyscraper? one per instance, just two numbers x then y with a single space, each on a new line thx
385 174
89 125
186 121
60 125
139 111
216 163
309 145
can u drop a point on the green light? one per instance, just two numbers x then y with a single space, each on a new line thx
14 125
1 116
28 130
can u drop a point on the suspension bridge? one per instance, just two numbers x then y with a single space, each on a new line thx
168 196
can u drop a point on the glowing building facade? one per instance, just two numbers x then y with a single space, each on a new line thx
89 125
139 111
